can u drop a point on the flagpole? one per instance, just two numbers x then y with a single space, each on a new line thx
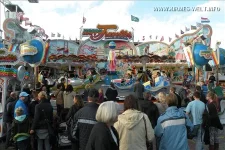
81 29
132 33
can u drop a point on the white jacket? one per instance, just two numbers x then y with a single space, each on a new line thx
131 129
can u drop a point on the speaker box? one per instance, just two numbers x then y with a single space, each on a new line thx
208 67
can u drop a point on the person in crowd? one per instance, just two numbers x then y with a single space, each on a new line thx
219 92
196 109
204 88
46 87
84 120
150 109
33 103
183 93
59 98
43 113
212 79
161 103
101 96
75 74
68 96
202 96
8 117
171 127
63 82
78 104
133 122
86 90
21 103
173 91
20 129
138 92
111 93
215 123
103 135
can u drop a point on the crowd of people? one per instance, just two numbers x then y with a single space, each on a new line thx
165 121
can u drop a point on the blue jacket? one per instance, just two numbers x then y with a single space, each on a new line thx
20 103
171 129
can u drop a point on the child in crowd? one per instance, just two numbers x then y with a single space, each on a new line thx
20 130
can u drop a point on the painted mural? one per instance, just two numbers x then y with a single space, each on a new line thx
62 47
101 48
175 49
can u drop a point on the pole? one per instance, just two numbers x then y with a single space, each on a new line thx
81 29
132 34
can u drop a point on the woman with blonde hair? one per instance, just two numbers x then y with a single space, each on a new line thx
215 123
161 104
43 113
103 135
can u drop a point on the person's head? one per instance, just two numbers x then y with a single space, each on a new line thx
13 95
69 88
93 95
107 112
172 89
35 95
158 74
59 86
42 95
44 88
23 96
78 101
63 80
162 97
171 100
130 102
147 95
100 90
185 86
19 111
212 74
197 95
112 85
198 88
211 96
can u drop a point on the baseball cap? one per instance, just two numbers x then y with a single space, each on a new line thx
23 94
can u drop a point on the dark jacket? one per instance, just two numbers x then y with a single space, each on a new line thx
139 90
9 110
84 121
42 110
85 95
31 108
183 95
213 116
152 111
111 94
101 138
178 99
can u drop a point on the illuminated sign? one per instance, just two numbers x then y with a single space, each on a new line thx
207 54
26 49
102 32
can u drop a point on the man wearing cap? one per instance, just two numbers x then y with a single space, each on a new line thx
84 120
21 103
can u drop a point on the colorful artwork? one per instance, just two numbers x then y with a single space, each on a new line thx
62 47
101 48
175 49
8 58
101 33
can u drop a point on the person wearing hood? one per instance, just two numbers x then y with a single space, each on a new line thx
20 129
111 93
22 103
134 127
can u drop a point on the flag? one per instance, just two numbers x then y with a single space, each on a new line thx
205 20
150 36
84 20
46 36
193 27
135 19
198 24
58 35
162 39
170 39
143 38
187 29
156 37
181 32
177 36
52 35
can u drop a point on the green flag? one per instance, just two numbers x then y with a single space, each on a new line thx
135 19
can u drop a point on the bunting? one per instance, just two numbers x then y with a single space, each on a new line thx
156 37
187 29
84 20
198 24
181 32
170 39
162 39
52 35
177 36
205 20
150 36
143 38
58 35
193 28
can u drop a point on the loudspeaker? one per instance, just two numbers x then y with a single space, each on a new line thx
208 67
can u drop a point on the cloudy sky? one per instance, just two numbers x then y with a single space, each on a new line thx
65 17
